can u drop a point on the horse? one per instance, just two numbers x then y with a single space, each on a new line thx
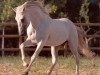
42 31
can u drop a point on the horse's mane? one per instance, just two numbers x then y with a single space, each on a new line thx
34 3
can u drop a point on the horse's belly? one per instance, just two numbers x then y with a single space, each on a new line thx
56 39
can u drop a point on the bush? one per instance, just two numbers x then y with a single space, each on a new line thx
6 9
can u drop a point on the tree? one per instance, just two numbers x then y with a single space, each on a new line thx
84 10
72 9
6 9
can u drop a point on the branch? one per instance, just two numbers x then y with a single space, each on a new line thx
98 32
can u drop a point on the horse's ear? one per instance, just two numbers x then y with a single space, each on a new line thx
14 9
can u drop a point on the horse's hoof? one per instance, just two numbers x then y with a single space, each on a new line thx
26 65
24 73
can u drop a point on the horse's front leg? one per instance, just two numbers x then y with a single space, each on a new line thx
37 51
54 59
22 46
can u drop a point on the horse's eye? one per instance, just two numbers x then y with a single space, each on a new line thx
22 20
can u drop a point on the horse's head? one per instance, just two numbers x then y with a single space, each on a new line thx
20 18
29 12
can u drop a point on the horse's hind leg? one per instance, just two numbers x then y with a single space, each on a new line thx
54 59
73 44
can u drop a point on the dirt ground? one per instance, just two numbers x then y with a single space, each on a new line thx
9 69
65 66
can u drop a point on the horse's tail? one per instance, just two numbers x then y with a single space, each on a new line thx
83 45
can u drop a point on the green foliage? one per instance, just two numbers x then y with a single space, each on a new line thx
62 14
84 10
73 9
52 8
6 9
6 12
55 8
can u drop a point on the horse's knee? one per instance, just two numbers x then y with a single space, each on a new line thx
21 46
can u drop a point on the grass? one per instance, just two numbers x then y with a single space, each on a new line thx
12 65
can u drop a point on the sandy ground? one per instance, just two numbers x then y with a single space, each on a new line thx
11 69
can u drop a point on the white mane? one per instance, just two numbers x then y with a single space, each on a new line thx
30 3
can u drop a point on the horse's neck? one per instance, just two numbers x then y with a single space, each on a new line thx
38 18
41 14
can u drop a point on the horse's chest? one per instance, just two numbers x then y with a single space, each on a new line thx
31 32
